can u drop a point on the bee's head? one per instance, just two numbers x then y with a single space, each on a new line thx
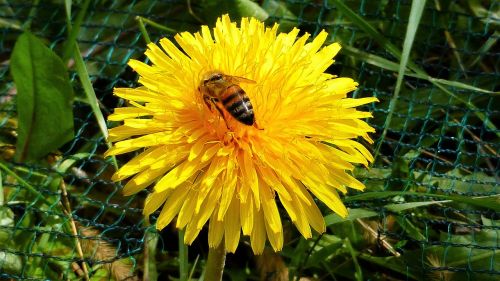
213 77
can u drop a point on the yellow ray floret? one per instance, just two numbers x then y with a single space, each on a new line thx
207 167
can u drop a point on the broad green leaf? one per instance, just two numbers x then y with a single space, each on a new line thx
44 99
455 181
479 256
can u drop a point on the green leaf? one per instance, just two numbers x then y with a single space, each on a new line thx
44 99
326 251
412 205
391 263
9 23
490 202
454 181
412 230
353 215
236 9
286 19
6 224
358 274
10 263
70 161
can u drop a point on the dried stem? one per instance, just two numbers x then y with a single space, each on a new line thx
385 244
67 211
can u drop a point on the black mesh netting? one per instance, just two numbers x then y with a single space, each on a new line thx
441 146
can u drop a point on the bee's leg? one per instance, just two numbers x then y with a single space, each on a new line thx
217 105
209 103
213 102
257 126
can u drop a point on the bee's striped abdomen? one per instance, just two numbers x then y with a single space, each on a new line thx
237 103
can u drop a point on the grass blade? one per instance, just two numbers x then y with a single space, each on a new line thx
391 48
485 48
393 66
397 208
193 267
460 85
67 7
73 30
358 274
83 75
417 8
5 23
367 27
81 69
490 202
27 24
354 214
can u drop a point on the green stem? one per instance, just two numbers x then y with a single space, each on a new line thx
142 28
215 263
151 238
155 24
183 258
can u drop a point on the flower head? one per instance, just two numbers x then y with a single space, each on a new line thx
206 166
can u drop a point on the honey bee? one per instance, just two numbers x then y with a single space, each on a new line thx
223 91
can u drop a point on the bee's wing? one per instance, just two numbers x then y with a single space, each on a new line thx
237 79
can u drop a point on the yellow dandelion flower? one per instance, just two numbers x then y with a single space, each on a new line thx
209 167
